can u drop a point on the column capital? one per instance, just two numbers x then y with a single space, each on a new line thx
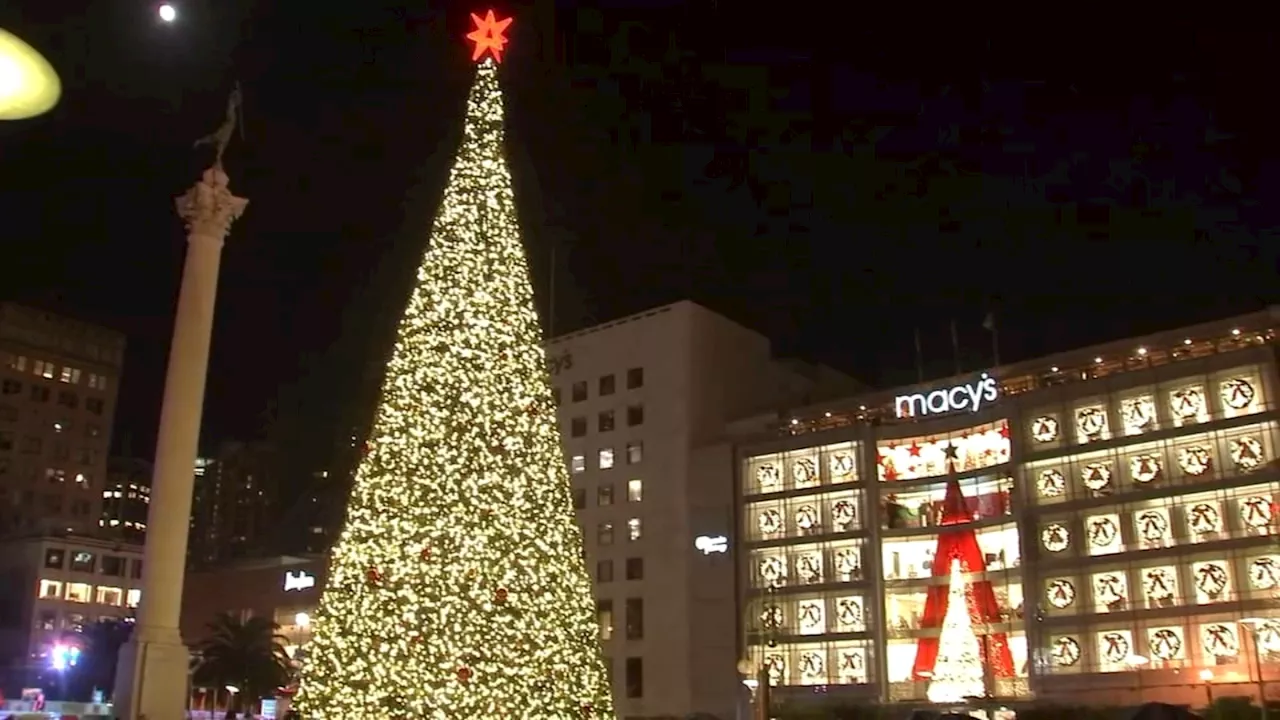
209 208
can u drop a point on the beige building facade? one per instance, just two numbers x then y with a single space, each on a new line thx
58 381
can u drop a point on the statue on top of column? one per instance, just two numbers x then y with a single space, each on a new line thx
221 137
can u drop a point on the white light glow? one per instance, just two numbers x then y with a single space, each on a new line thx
709 544
168 13
28 84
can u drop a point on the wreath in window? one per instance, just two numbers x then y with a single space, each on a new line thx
1138 414
1091 422
769 522
1103 531
848 562
1144 468
804 472
1195 460
1115 648
811 665
1158 584
1055 537
771 617
807 517
772 569
841 465
1152 525
1051 484
1269 636
1204 518
1220 640
1256 511
1211 579
809 614
1060 593
1096 476
776 665
1065 652
809 568
1109 589
1246 452
1187 403
843 514
1044 429
768 476
851 661
1237 393
849 612
1264 573
1165 643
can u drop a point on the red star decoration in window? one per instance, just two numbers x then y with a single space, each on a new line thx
1004 431
914 450
488 35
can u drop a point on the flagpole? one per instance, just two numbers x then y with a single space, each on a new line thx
955 345
919 359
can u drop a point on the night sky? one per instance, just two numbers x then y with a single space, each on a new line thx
833 196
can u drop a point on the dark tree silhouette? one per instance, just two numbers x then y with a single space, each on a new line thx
248 655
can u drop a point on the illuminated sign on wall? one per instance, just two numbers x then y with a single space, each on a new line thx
300 580
709 544
952 399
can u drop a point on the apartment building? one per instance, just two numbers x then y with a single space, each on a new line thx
1108 516
58 380
54 588
126 497
233 510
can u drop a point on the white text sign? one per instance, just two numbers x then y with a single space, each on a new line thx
299 581
961 397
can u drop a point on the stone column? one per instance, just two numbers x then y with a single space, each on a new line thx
151 682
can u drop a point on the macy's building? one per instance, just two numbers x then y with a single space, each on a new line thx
1113 512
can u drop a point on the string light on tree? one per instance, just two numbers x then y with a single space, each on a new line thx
958 672
457 587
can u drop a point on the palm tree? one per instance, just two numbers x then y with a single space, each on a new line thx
248 655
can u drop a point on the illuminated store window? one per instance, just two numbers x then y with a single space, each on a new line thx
1212 581
930 456
1167 643
50 590
1102 534
1110 591
1115 648
1188 404
132 598
1091 423
606 458
79 592
1240 393
1138 414
1160 587
112 596
913 557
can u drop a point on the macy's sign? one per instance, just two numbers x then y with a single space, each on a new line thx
961 397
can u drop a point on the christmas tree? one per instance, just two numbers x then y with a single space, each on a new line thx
958 672
457 587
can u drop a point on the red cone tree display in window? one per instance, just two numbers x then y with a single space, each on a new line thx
957 543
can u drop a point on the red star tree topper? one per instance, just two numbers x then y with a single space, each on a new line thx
488 36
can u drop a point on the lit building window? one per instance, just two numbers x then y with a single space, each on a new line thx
578 463
43 369
606 458
604 534
50 589
633 529
635 453
70 375
635 490
132 598
604 618
112 596
79 592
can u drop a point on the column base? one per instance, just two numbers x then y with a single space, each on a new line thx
151 679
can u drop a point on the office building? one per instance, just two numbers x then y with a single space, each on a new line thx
54 588
126 498
1099 526
58 380
234 504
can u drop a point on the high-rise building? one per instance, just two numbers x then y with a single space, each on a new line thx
58 380
126 496
1110 513
232 511
638 397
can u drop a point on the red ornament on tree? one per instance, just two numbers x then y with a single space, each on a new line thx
373 576
587 709
500 596
464 674
425 554
366 448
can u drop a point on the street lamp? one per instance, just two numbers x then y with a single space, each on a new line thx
29 86
1253 624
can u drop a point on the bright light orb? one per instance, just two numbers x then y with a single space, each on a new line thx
168 13
29 86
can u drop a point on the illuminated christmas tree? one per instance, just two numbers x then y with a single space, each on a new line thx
958 672
457 587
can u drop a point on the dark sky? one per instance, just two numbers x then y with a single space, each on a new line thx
832 195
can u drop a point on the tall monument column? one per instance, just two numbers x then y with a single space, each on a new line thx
151 683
